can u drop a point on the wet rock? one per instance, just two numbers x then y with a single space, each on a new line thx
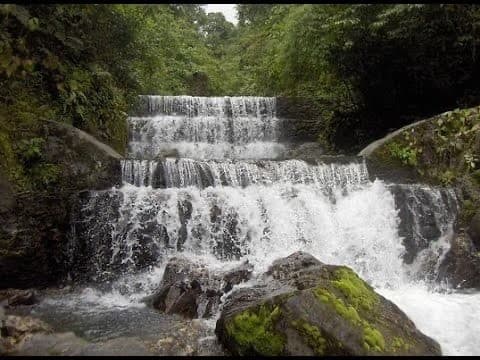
309 308
15 329
69 344
474 230
183 341
34 225
14 297
19 326
52 344
192 290
286 268
236 276
185 214
308 151
461 266
424 213
123 346
167 153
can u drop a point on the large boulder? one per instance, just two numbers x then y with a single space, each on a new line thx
34 224
306 307
192 290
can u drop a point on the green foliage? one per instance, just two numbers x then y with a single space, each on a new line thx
45 174
368 68
406 154
445 150
377 66
456 133
30 150
87 63
447 177
468 211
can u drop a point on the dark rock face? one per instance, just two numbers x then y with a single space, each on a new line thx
34 226
391 171
309 152
424 212
309 308
89 249
474 230
191 290
461 266
301 119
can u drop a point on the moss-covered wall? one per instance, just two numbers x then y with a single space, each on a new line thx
444 150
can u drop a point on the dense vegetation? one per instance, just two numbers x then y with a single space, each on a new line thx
84 65
373 67
368 68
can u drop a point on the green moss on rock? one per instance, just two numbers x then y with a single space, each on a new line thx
399 344
373 339
312 336
345 311
253 331
358 293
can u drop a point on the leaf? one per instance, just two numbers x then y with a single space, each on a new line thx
33 24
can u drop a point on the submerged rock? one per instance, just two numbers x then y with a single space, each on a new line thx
14 297
192 290
306 307
27 336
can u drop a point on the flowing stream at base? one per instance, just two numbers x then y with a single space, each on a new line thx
225 199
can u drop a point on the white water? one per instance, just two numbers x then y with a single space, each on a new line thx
207 128
262 211
188 172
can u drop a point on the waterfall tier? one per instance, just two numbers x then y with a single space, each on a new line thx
188 172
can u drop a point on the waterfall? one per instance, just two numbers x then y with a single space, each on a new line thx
188 172
206 128
204 178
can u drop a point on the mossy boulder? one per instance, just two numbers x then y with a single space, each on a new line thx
35 219
305 307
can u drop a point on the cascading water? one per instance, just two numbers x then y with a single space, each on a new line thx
216 200
207 128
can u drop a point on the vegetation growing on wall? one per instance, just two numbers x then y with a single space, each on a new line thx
444 150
